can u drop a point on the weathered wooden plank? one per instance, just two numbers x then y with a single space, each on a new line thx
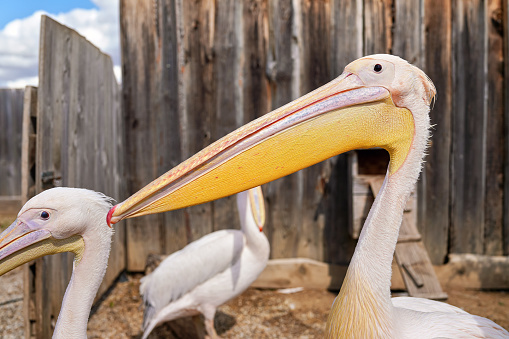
11 117
28 156
434 201
169 115
347 34
28 144
469 126
494 209
199 24
408 34
139 40
228 42
314 71
283 196
505 20
378 23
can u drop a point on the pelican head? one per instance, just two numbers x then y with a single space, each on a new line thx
376 102
54 221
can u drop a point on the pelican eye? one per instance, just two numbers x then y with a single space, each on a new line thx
377 68
45 215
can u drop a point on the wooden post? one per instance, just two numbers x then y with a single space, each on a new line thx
28 157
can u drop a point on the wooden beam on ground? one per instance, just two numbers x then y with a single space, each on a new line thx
465 271
309 273
471 271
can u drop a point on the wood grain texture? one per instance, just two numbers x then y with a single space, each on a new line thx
468 126
144 132
378 23
79 140
434 202
28 156
11 120
283 196
494 209
505 21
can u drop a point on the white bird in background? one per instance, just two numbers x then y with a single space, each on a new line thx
64 220
209 271
378 101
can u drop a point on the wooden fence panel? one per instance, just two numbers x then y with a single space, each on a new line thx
11 117
203 68
79 144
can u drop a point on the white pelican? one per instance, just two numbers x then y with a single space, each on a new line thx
209 271
64 220
378 101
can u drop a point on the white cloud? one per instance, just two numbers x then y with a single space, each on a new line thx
19 40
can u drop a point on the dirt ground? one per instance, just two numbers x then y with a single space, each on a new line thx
254 314
260 313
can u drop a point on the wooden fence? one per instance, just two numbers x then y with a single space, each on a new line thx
78 143
194 71
11 114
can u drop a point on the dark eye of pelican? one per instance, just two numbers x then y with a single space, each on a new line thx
378 68
45 215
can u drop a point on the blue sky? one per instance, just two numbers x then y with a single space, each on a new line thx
96 20
21 9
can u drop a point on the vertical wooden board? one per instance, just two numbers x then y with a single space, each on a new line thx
140 96
228 94
169 115
377 26
347 45
434 201
27 191
256 91
347 34
468 126
199 31
408 35
11 118
28 144
284 195
313 21
494 209
505 20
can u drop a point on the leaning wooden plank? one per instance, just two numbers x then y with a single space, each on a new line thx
417 271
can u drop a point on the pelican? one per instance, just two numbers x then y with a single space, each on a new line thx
209 271
378 101
64 220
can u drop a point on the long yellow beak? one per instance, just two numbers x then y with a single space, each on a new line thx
340 116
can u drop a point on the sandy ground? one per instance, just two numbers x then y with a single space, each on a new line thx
254 314
260 313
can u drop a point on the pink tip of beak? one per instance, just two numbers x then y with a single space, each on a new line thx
110 214
260 228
